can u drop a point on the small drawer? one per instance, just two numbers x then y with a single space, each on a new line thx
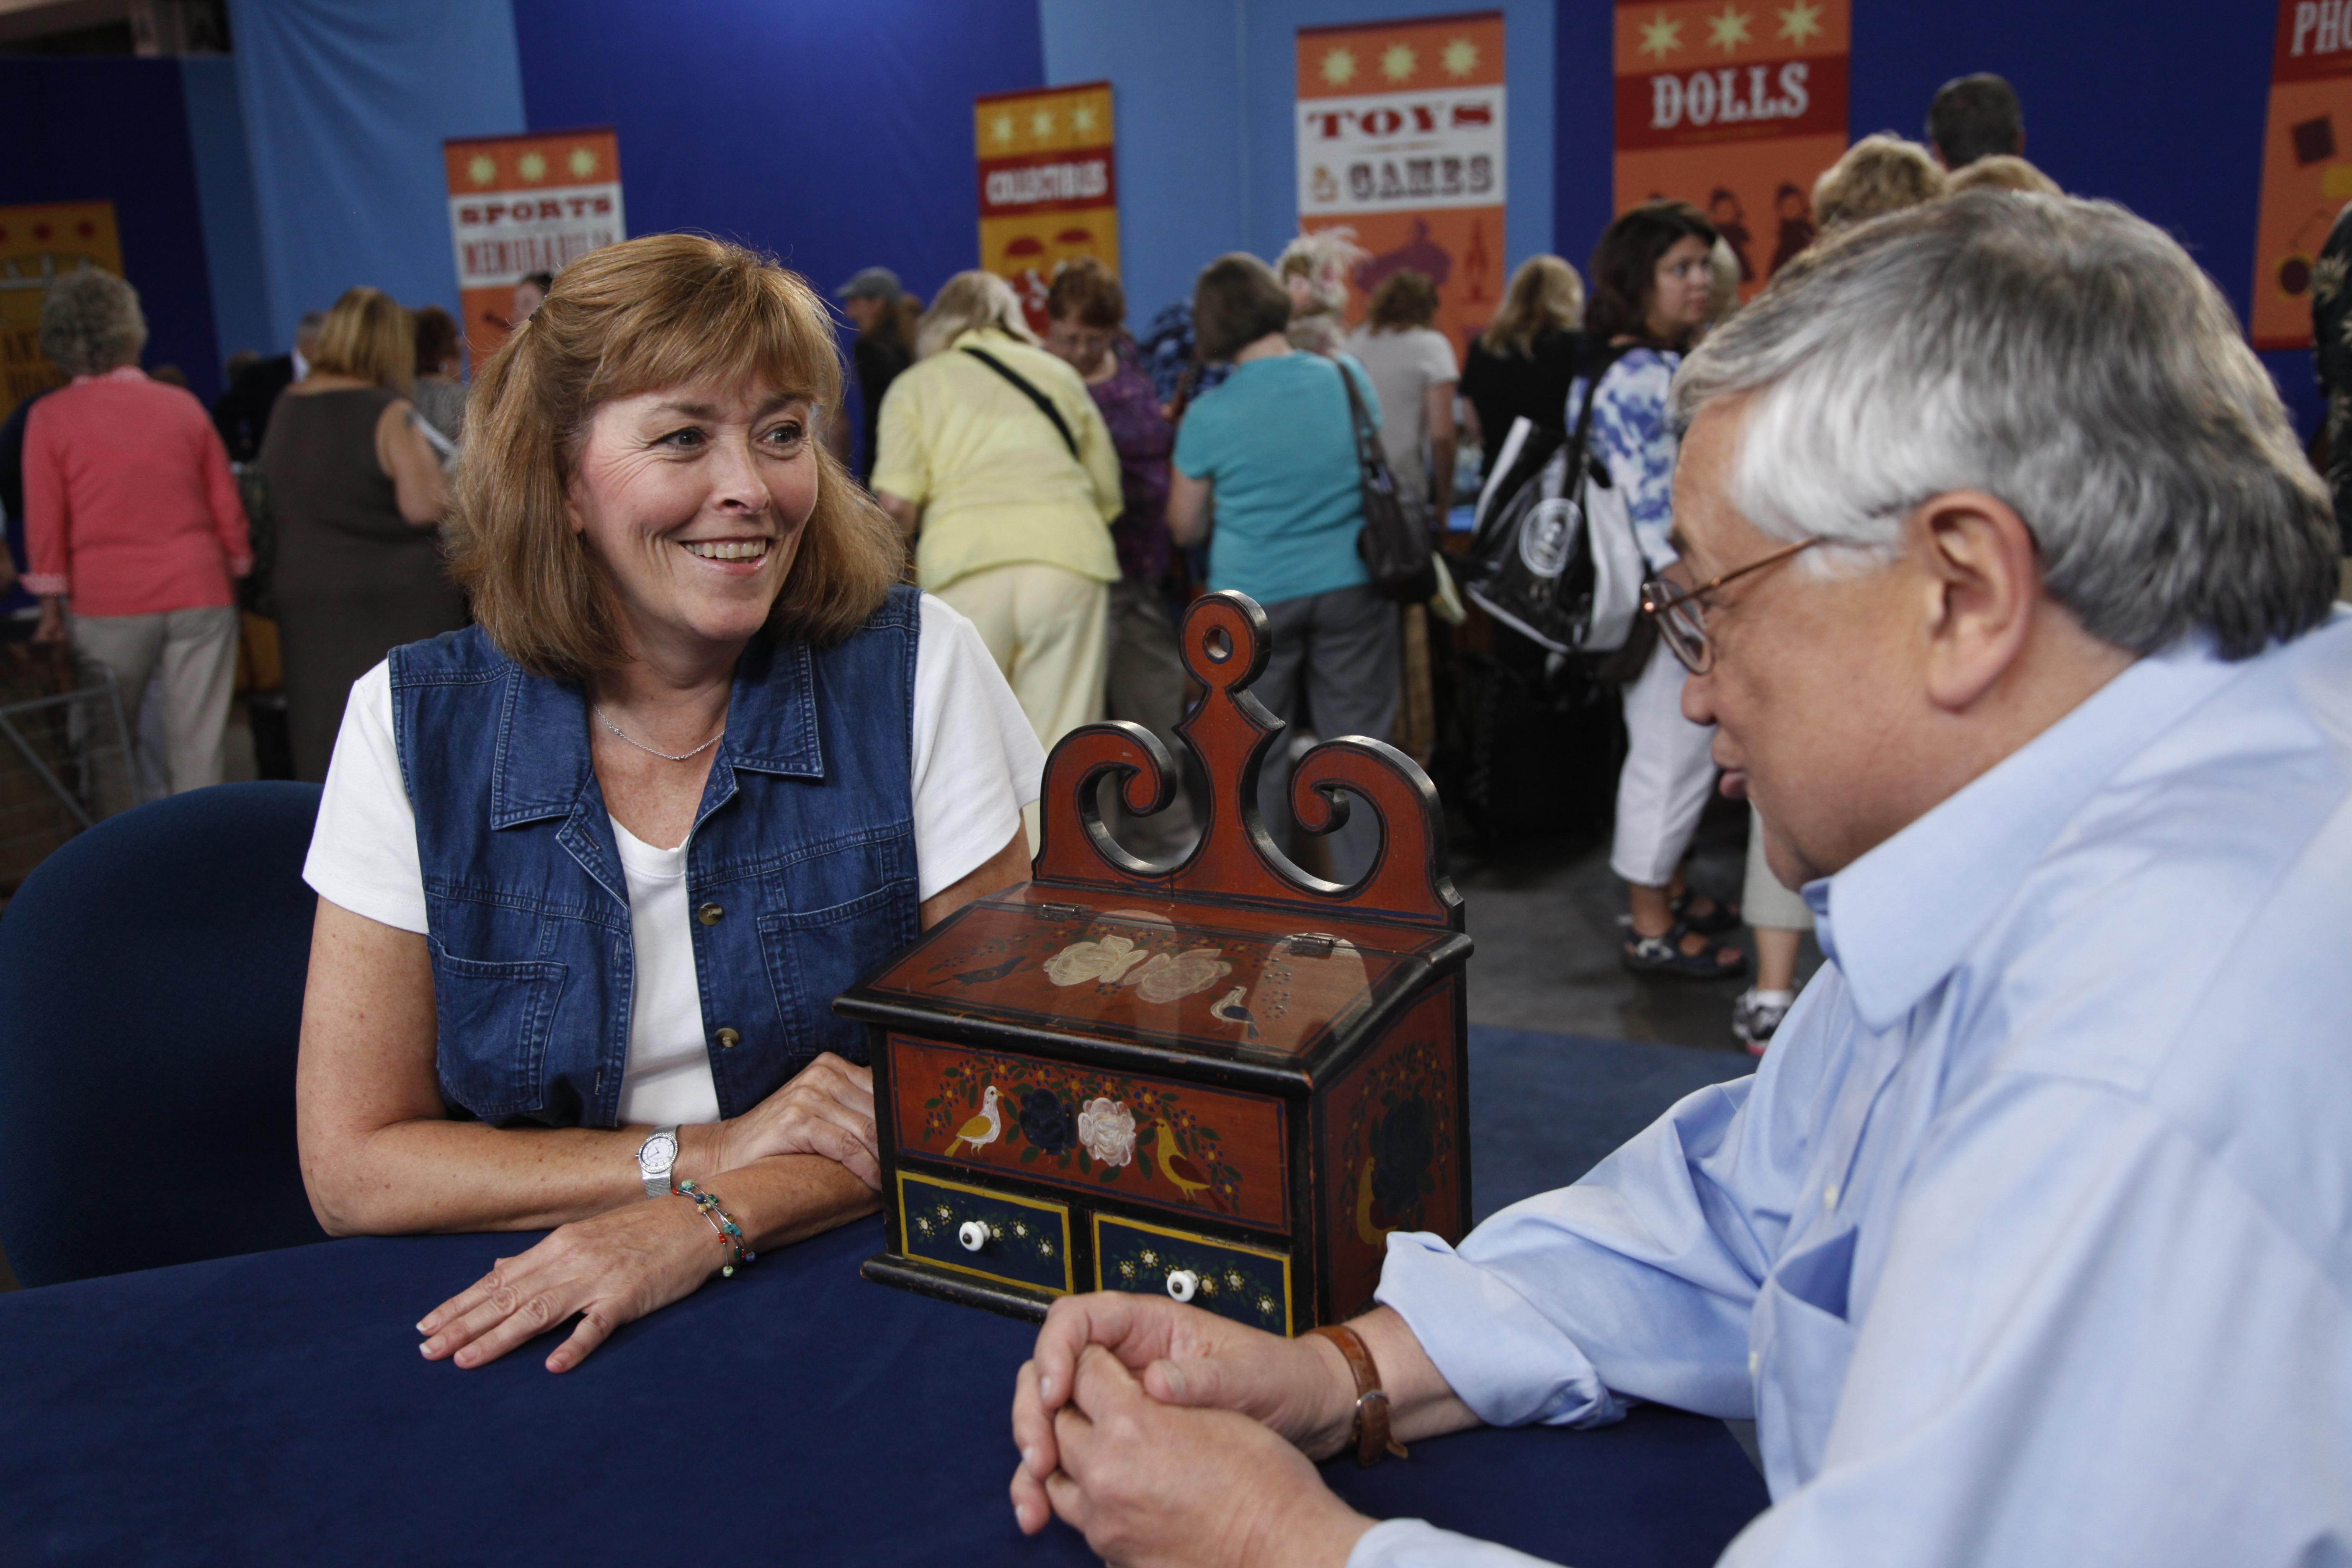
1015 1241
1246 1284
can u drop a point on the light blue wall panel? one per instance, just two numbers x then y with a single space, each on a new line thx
1183 164
1207 157
240 288
346 104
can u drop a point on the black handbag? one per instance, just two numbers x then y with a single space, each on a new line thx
1554 556
1395 549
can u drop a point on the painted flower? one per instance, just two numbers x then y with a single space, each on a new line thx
1107 960
1045 1120
1106 1128
1171 977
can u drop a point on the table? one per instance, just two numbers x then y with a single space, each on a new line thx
273 1409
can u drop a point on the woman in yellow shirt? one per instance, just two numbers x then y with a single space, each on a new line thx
993 455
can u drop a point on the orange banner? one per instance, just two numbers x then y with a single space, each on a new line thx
1737 110
2306 165
1048 185
37 244
1401 135
520 205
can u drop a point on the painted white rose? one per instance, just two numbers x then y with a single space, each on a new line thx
1106 1127
1171 977
1108 959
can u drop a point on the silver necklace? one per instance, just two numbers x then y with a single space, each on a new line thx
665 756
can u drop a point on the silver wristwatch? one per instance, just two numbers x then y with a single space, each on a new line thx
656 1156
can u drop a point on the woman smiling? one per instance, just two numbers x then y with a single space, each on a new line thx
592 871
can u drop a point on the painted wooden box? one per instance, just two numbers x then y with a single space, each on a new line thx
1224 1079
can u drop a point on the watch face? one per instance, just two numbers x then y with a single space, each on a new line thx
658 1152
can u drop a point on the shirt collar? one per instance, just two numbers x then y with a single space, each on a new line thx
543 762
119 372
1901 918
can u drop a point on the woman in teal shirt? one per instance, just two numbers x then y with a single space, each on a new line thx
1272 451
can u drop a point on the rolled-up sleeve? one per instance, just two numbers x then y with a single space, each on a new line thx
48 513
902 454
1638 1280
220 493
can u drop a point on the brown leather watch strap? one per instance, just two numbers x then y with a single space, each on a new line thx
1373 1441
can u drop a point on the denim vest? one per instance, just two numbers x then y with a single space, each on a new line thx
801 871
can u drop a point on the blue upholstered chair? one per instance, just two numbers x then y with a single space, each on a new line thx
151 998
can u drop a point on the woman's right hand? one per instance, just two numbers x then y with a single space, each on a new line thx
827 1109
52 624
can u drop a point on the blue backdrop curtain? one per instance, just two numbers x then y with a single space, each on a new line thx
346 105
115 128
835 136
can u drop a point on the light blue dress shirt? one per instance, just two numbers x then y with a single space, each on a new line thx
2030 1242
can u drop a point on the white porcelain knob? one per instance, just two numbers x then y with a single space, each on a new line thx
1181 1283
973 1234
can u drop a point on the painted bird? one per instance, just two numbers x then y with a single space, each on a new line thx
994 972
985 1128
1228 1009
1182 1170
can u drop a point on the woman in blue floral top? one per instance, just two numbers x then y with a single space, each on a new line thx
1649 297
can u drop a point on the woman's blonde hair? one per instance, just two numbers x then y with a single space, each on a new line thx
370 336
1879 175
969 301
1544 292
2001 172
645 314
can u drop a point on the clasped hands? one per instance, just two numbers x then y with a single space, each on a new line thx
1167 1434
642 1254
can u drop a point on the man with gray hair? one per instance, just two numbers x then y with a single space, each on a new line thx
2031 1241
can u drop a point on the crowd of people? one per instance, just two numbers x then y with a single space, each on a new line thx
1062 492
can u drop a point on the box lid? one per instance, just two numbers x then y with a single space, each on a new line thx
1233 952
1231 980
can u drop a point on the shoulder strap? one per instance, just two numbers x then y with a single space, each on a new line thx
1368 450
1601 359
1045 404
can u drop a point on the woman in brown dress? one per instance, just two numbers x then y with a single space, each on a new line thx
357 495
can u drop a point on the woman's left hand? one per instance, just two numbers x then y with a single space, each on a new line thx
611 1269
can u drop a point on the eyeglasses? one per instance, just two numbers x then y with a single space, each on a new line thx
1681 612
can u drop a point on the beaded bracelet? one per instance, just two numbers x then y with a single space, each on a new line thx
730 1235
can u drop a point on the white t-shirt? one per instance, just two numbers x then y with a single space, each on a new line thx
1403 367
976 764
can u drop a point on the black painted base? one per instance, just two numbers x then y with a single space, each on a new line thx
947 1285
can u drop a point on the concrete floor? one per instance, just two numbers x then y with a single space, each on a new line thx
1545 917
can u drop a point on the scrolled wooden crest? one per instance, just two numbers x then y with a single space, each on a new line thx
1225 646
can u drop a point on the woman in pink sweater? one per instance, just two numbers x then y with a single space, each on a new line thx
130 514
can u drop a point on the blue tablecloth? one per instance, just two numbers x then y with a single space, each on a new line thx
273 1409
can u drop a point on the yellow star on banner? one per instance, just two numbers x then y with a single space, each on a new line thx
1461 58
1001 128
1339 67
1661 37
1041 124
481 170
1729 30
1800 22
583 161
1398 62
532 166
1082 118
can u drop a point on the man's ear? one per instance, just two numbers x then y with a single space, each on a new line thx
1983 583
